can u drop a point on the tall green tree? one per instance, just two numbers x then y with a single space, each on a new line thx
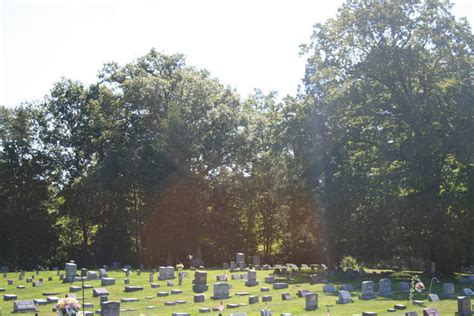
388 91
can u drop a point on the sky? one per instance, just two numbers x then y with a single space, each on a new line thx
246 44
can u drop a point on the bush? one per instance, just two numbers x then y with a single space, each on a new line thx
348 262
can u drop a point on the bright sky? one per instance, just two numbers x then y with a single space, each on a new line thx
247 44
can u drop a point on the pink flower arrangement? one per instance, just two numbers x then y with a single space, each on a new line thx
68 306
419 286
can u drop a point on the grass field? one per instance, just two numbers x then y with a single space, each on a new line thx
277 305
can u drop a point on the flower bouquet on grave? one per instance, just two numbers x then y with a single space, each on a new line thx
179 266
416 285
67 306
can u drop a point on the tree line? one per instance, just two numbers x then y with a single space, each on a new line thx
373 158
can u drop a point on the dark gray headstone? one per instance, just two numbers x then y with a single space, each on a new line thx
253 299
433 298
9 297
133 288
311 301
448 290
286 296
199 298
328 288
464 306
100 291
110 308
431 312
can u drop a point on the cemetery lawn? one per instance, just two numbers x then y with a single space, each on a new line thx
277 305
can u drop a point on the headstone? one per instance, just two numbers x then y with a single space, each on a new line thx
233 266
40 301
430 311
74 288
448 290
133 288
302 293
344 297
162 294
169 283
199 298
176 291
52 299
139 272
385 288
239 258
399 307
102 273
280 285
100 291
225 266
166 273
346 287
264 289
404 286
151 277
367 292
221 291
411 314
107 281
328 288
9 297
467 292
126 281
369 314
110 308
129 299
242 266
265 312
286 296
266 298
71 270
24 306
204 310
92 275
200 282
253 299
269 279
154 285
103 299
251 278
464 306
256 260
221 278
433 297
311 301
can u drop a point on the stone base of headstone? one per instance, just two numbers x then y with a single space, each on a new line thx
367 297
369 314
204 310
199 298
251 283
253 299
200 288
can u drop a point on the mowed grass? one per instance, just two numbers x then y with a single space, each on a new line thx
277 305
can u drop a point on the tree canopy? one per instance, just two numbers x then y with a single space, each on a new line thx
157 159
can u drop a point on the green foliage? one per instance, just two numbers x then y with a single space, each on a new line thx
348 262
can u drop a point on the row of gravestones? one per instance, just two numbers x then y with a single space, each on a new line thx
385 289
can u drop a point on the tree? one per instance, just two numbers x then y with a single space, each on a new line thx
388 92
